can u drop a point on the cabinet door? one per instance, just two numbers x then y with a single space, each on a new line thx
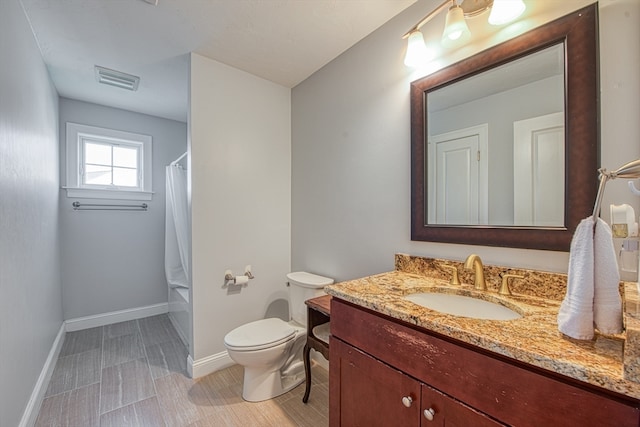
439 410
370 393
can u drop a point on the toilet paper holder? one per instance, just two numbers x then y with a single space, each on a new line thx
229 277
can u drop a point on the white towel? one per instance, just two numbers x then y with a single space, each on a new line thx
592 286
607 304
575 317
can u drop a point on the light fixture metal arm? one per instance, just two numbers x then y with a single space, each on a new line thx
428 18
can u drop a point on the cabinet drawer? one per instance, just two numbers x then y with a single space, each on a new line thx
507 392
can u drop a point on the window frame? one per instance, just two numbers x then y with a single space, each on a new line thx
76 136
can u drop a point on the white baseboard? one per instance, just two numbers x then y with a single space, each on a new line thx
30 413
207 365
102 319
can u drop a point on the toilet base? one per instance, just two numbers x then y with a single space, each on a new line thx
259 385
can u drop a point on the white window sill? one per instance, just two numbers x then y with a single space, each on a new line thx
86 193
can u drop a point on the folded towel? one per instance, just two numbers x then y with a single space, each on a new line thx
607 304
575 317
592 295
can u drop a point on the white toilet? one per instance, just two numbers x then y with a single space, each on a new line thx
271 349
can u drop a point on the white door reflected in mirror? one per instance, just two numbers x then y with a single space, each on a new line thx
522 100
538 159
458 176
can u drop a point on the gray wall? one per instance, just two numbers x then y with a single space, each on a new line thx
351 147
30 302
115 260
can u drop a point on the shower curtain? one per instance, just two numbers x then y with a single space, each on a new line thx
176 240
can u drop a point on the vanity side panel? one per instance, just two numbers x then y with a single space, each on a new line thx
507 392
335 372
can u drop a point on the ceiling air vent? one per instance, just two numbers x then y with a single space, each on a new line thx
117 78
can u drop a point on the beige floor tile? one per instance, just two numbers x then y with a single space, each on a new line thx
182 400
319 398
303 415
125 383
220 391
236 372
271 413
284 410
319 375
224 378
221 418
292 394
145 413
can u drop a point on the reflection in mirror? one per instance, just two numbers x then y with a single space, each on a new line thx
529 194
496 145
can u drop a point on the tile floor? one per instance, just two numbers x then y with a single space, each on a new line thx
134 374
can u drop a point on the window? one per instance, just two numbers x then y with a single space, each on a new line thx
106 163
110 164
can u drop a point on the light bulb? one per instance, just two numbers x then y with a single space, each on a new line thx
417 53
455 28
504 11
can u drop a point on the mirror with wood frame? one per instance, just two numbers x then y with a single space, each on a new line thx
513 217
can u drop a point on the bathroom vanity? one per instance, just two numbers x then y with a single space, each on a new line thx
396 363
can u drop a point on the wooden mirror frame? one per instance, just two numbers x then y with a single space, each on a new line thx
579 33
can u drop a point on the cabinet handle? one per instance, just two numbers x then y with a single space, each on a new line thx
429 414
407 401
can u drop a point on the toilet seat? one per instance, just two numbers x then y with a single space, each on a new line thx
260 334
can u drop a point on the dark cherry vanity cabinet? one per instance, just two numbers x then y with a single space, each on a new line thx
384 372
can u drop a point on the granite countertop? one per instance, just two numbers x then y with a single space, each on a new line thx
533 339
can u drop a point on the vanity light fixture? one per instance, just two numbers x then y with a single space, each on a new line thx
456 30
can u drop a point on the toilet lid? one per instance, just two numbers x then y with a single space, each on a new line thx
260 334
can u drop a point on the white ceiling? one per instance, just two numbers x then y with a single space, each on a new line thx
284 41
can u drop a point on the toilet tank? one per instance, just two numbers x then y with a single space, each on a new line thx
302 286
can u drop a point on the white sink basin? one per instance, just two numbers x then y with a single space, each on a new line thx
459 305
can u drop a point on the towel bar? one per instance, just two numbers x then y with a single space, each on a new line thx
77 206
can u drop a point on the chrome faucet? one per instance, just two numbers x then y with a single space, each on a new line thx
474 262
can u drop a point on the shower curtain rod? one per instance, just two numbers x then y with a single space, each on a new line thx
175 162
